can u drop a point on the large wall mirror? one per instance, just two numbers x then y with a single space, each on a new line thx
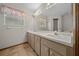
59 17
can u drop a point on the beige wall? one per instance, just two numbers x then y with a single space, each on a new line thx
14 36
67 22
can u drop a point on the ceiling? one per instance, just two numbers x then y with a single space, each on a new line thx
58 9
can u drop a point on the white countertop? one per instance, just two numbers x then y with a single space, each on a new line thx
46 34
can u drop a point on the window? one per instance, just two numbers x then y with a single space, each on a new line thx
14 21
12 17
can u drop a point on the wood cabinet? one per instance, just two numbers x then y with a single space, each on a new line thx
46 47
32 39
48 51
44 50
54 49
28 38
54 53
35 42
37 45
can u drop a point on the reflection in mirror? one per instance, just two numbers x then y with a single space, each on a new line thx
58 18
55 24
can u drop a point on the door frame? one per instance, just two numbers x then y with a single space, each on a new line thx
76 18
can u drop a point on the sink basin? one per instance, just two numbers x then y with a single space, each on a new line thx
65 38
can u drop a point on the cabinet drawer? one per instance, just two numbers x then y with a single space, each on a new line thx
56 46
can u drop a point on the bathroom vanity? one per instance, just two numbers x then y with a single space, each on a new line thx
54 35
45 45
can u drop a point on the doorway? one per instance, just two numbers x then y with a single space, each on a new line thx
55 24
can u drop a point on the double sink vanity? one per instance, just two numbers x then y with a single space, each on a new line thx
47 43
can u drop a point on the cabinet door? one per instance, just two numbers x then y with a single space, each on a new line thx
61 49
32 41
37 45
54 53
28 38
44 50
